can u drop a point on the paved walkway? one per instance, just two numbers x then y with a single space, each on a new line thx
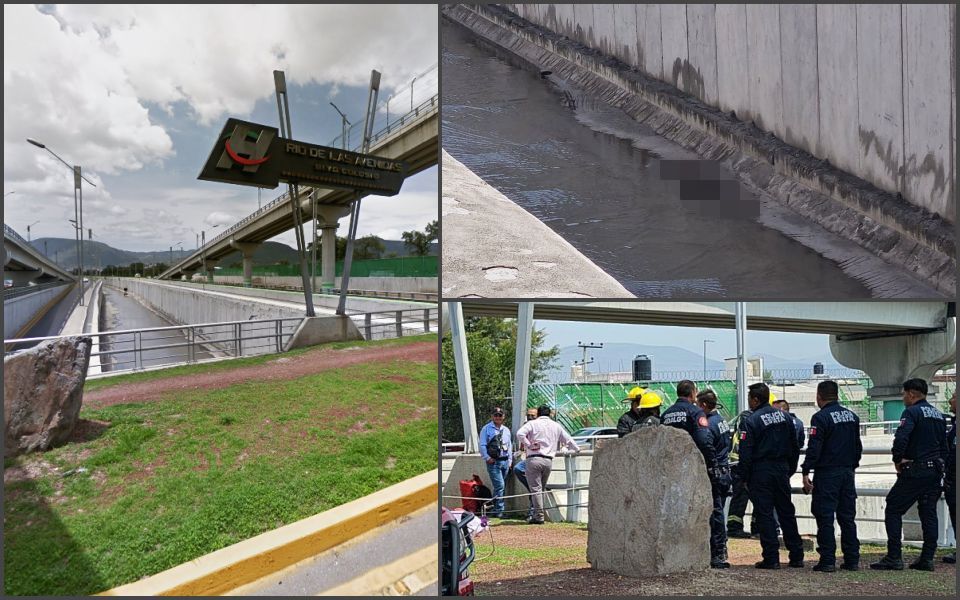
494 248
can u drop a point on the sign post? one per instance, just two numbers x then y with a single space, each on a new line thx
253 154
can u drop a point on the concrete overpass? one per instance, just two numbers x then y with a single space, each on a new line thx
24 265
889 341
412 138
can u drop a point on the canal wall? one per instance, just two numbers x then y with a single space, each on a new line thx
20 312
186 305
887 224
871 88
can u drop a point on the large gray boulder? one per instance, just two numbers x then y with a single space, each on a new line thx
650 505
42 393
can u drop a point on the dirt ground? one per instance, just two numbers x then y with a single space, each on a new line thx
552 560
283 368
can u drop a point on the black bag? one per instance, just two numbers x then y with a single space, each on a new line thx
495 446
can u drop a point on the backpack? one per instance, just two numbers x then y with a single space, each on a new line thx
474 493
495 445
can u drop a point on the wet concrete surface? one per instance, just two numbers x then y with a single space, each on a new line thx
120 312
598 178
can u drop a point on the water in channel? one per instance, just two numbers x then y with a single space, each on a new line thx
123 312
592 174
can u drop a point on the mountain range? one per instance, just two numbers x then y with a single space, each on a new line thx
98 254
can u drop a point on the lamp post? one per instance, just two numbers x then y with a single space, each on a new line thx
171 251
343 124
77 206
705 342
203 255
28 229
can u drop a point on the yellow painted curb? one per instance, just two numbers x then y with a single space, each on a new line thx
249 560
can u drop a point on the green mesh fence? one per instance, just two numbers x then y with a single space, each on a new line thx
403 266
580 405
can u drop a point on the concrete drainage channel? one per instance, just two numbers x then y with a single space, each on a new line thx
384 544
892 247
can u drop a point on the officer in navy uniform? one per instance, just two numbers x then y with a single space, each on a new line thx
720 478
797 422
686 415
738 502
768 457
834 454
919 455
950 479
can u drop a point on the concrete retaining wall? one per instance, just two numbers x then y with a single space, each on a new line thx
19 311
182 304
870 88
418 285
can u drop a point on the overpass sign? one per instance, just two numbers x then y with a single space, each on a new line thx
252 154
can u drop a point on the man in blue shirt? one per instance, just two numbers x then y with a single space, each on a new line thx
797 422
496 448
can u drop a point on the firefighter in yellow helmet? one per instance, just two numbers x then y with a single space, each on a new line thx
644 411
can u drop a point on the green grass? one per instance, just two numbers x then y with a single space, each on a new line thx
225 365
511 557
172 480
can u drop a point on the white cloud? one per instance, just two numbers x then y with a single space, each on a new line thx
83 79
219 218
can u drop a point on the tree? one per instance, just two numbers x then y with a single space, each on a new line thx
491 345
368 247
419 241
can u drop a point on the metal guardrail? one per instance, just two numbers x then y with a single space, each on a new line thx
139 349
15 292
417 113
153 347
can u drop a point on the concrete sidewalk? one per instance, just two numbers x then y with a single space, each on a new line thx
494 248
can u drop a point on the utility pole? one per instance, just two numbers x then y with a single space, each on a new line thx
585 362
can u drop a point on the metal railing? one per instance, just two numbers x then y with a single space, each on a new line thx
11 232
139 349
396 323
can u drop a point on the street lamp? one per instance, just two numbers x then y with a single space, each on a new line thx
8 193
203 254
77 206
28 229
705 342
171 251
343 124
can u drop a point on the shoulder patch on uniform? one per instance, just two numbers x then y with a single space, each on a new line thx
813 431
702 421
903 421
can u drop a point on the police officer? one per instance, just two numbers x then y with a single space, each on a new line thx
686 415
720 478
768 457
631 417
738 503
919 455
797 422
833 455
950 479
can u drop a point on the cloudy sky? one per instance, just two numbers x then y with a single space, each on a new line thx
137 95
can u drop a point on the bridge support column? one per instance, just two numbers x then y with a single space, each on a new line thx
247 249
328 219
208 265
889 361
21 278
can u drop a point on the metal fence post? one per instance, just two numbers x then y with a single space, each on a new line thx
366 324
426 320
237 336
573 494
399 321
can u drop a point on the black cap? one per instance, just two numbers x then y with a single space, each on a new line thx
497 412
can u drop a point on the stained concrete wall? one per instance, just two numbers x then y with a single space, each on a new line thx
870 88
20 310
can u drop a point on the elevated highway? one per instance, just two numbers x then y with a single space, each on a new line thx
412 138
25 265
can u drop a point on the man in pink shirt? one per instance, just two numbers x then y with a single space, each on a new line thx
542 437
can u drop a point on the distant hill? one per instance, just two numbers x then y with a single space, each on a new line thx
98 254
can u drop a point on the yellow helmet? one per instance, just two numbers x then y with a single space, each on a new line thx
772 398
634 394
650 399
